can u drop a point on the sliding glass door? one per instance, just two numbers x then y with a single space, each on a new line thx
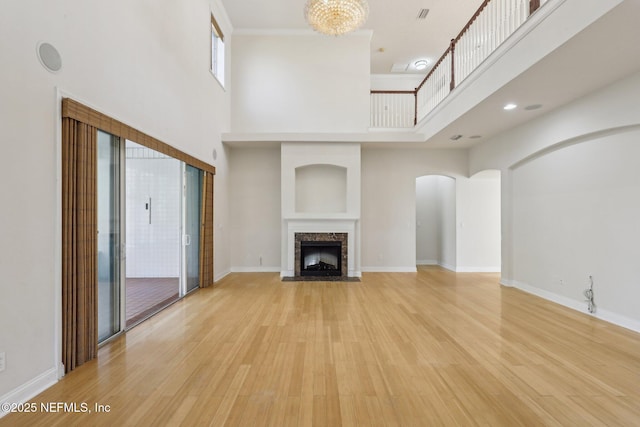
192 213
109 236
153 209
149 208
95 211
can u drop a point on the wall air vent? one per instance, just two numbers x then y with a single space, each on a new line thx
422 14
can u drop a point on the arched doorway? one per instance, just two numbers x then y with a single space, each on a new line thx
458 222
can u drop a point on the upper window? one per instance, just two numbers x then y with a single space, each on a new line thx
217 51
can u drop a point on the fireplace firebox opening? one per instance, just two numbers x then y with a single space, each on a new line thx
320 258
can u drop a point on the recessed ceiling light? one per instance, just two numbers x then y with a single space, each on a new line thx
510 107
421 64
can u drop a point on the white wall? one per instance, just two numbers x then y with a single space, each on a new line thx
396 81
436 221
575 214
321 189
300 82
428 233
254 188
146 66
448 219
569 210
389 202
344 156
478 222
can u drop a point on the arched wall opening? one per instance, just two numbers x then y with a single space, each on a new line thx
435 221
458 222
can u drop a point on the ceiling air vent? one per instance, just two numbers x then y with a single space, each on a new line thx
422 14
399 68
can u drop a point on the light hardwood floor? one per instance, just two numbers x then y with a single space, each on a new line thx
433 348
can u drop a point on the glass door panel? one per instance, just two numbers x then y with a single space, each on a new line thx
108 183
153 230
192 213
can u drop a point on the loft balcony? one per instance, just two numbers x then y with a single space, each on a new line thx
489 27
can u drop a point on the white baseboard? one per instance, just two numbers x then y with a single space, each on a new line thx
427 262
286 273
478 269
448 267
581 306
411 269
506 282
260 269
30 389
220 276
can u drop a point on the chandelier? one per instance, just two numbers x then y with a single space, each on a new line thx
335 17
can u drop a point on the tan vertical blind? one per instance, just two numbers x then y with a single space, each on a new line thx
79 244
83 114
80 126
206 248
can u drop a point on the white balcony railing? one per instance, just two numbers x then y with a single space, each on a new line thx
393 109
487 29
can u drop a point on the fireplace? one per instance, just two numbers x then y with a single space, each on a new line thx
320 258
321 255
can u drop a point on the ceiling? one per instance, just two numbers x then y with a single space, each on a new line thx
604 52
398 36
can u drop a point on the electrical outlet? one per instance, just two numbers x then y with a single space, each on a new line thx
2 361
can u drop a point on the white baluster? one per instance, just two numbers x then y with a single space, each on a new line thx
374 108
394 118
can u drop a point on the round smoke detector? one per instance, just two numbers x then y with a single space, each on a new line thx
49 57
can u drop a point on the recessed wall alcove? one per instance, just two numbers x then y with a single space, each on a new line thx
321 189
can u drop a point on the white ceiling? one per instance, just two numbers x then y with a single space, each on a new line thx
606 51
396 29
603 53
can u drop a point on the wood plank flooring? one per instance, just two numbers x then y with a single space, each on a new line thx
428 349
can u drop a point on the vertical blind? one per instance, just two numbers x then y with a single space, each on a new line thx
80 125
79 244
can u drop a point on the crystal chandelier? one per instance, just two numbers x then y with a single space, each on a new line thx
335 17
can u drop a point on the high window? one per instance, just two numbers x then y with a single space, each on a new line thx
217 51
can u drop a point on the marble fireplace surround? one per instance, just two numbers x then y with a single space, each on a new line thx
321 237
346 228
